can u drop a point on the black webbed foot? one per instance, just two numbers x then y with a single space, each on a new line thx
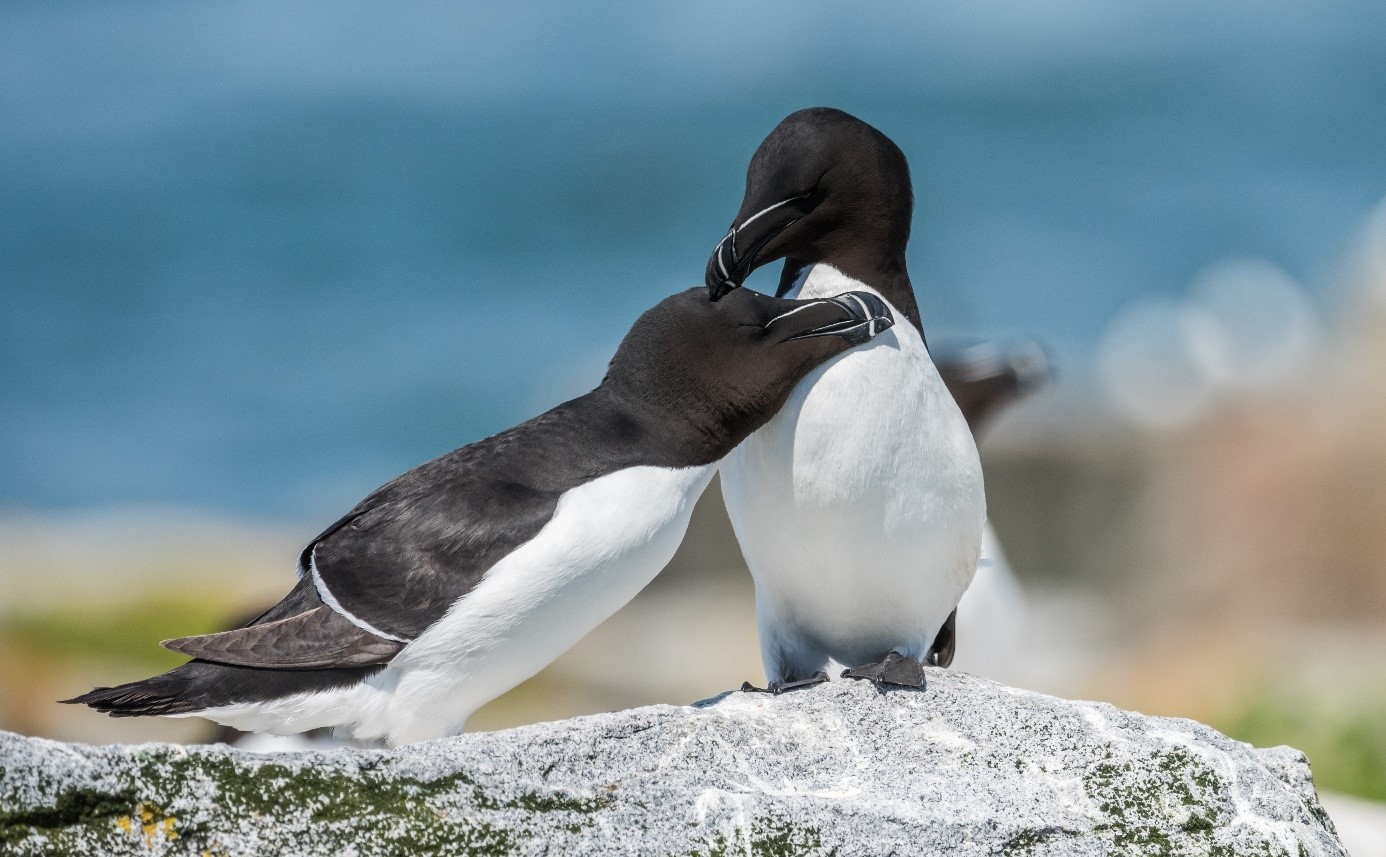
894 669
779 687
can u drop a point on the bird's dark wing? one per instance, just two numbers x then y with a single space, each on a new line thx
409 551
379 576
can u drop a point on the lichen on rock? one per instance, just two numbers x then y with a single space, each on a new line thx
967 767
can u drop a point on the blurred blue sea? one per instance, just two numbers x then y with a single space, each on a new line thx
262 256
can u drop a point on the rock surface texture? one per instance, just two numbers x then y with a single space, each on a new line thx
966 767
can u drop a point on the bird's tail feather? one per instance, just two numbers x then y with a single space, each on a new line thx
173 692
199 685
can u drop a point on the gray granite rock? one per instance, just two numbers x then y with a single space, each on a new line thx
967 767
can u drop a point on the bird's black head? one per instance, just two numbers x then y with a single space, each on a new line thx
722 369
823 187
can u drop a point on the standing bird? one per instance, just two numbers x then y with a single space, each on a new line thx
859 506
463 577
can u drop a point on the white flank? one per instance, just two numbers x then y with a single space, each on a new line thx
607 539
859 507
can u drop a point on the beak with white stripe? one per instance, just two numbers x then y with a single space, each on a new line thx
854 316
736 255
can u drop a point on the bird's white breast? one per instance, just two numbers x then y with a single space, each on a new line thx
859 506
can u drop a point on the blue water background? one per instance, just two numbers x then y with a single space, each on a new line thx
259 257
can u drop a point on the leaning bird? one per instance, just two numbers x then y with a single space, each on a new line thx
461 578
859 506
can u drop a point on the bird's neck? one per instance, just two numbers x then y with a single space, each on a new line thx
672 424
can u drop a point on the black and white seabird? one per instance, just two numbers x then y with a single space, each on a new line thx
468 574
859 506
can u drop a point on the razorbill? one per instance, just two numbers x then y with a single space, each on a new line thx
859 506
463 577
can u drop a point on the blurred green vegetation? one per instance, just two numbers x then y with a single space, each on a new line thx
128 633
1345 739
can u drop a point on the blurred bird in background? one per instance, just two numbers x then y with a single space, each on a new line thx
992 617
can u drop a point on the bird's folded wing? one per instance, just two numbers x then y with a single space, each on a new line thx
409 554
314 639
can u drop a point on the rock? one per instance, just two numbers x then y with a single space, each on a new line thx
967 767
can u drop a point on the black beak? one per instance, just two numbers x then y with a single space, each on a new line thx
857 317
739 251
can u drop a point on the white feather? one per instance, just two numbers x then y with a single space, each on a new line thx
859 506
606 540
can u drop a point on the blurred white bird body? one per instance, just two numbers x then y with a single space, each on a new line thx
992 618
